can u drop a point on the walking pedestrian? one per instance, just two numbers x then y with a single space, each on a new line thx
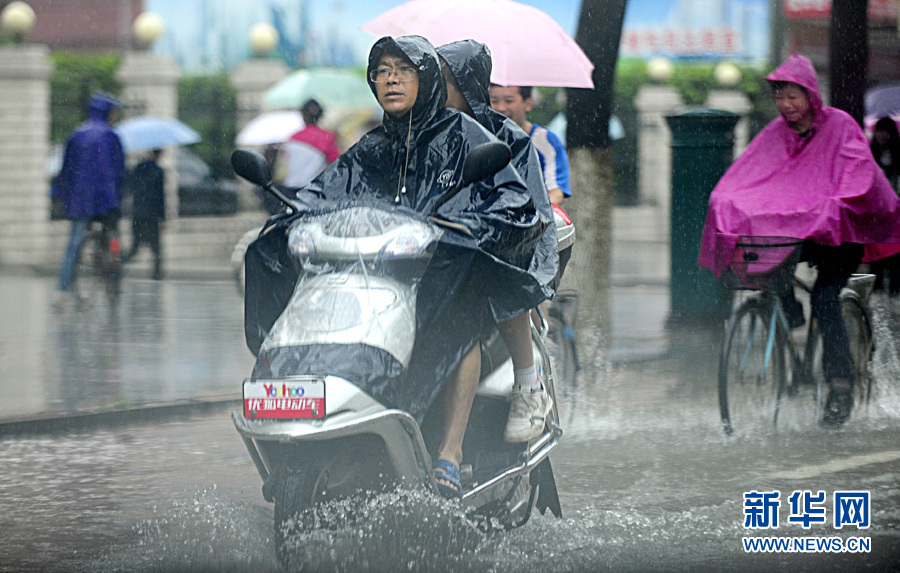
147 184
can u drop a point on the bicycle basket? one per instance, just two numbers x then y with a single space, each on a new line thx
757 259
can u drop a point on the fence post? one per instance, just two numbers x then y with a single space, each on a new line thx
252 79
25 71
150 83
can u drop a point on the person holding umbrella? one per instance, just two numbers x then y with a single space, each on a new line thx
90 181
309 150
467 70
147 184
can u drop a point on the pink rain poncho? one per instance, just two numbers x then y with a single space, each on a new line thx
825 187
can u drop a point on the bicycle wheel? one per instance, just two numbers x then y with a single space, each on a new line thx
751 369
859 331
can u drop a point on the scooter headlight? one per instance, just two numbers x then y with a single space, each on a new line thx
410 243
301 242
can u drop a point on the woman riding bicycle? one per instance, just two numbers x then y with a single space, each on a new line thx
809 174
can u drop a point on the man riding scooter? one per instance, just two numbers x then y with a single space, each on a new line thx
412 160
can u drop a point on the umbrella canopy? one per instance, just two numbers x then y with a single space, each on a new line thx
270 127
528 47
882 102
333 88
146 132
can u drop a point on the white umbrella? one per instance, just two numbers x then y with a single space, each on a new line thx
270 127
142 133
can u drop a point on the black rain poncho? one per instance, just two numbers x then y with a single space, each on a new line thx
470 63
476 278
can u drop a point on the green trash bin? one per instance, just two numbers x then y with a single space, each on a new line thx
702 150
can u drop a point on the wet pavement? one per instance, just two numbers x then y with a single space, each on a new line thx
180 342
647 479
167 342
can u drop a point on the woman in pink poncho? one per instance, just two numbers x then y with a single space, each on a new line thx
809 174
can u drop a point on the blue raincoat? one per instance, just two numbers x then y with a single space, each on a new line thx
90 181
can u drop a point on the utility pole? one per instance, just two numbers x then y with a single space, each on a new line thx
848 56
590 157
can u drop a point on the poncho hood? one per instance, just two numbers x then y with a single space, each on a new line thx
432 89
799 70
470 63
100 105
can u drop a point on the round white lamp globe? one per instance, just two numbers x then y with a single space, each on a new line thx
263 38
727 75
660 69
17 19
147 29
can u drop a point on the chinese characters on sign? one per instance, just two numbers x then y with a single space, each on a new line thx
680 41
851 508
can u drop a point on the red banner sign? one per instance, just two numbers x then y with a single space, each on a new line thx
879 10
680 41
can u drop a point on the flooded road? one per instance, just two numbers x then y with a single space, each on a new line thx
647 480
167 341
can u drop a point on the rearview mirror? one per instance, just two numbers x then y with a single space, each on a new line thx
251 166
484 161
254 168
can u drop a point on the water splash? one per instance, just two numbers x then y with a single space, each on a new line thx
207 532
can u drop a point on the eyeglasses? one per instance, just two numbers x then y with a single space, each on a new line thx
403 74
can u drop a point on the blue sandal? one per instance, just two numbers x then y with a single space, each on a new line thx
447 471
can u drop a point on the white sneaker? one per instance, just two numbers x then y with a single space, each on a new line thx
528 412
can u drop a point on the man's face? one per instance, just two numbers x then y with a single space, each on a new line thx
793 105
395 95
508 101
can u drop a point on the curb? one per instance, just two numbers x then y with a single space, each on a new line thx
91 421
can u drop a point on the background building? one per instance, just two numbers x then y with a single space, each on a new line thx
95 25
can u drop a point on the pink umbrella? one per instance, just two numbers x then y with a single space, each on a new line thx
528 47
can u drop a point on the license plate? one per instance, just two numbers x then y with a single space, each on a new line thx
284 399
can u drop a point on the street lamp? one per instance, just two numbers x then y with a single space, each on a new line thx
17 19
147 29
727 75
660 69
263 37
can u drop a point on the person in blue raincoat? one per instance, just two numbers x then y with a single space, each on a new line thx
90 181
412 160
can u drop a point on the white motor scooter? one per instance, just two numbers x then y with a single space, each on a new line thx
317 437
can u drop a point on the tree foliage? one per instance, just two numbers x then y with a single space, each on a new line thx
75 78
208 103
